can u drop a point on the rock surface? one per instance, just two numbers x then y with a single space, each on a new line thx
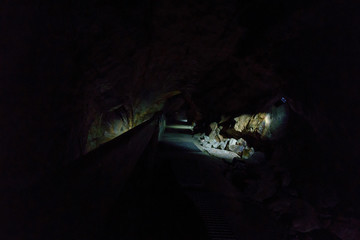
75 74
268 125
217 141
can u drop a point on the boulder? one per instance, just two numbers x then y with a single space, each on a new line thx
223 144
238 149
247 153
232 144
198 136
242 142
258 124
213 126
241 122
206 144
215 132
215 144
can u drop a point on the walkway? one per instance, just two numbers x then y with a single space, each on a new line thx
186 196
222 208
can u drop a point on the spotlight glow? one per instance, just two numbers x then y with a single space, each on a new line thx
179 127
267 120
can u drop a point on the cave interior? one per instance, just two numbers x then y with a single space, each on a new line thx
187 119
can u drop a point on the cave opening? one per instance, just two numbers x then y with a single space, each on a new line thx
186 119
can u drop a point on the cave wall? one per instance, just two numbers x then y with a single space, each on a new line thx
76 74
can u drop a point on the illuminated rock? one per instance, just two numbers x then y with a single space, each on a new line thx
215 144
242 142
238 149
227 156
242 122
247 153
199 136
215 132
270 125
216 141
223 144
206 144
251 123
232 144
213 126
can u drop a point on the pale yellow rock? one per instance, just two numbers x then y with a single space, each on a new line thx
247 153
242 142
241 122
252 123
213 125
215 133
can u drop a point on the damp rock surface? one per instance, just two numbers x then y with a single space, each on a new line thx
225 148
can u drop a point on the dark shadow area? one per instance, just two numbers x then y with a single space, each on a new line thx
81 83
159 210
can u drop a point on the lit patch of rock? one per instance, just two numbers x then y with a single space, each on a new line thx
216 141
258 123
269 125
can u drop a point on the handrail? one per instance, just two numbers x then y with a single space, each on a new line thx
82 194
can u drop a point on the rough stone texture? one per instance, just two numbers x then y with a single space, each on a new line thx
242 122
215 132
77 73
247 152
269 125
65 66
232 144
227 156
216 141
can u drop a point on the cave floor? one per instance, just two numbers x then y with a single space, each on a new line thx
189 198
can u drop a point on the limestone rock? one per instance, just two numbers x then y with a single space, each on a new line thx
238 149
232 144
215 144
212 135
206 144
213 126
215 132
215 140
227 156
199 136
248 152
242 142
242 122
223 144
253 124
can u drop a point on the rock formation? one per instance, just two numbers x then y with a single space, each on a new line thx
215 140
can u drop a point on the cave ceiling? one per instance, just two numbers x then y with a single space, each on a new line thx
87 71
